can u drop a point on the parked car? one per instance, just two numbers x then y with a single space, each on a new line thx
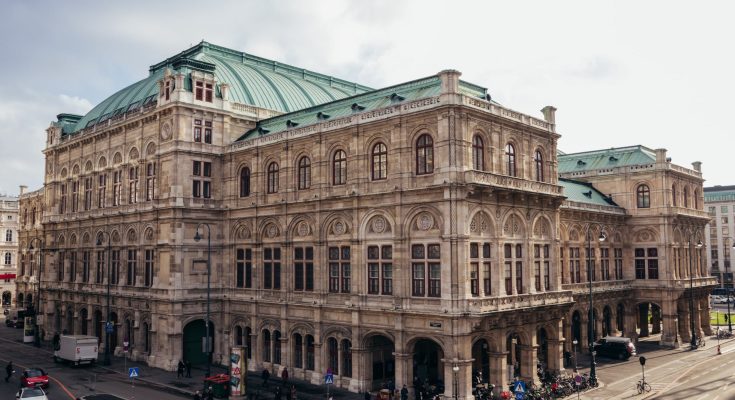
34 377
721 300
621 348
31 394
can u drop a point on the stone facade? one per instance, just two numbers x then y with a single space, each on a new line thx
387 244
8 248
720 203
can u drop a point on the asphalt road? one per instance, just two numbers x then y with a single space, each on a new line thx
67 382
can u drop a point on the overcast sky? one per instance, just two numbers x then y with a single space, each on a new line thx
660 74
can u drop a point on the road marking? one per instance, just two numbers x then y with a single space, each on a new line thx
61 385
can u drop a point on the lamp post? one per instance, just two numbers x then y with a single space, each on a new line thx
574 342
455 368
207 345
691 291
36 334
591 316
106 360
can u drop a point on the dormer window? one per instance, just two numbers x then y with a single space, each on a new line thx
167 90
203 91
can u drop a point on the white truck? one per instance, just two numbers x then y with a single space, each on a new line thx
76 349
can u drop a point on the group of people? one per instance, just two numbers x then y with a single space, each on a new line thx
278 393
208 394
183 367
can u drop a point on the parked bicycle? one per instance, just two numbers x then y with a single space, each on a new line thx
724 334
643 386
700 341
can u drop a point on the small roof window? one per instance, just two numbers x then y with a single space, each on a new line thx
321 115
291 124
357 108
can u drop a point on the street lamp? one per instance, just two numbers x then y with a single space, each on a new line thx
691 291
109 275
591 317
198 237
455 368
574 342
36 334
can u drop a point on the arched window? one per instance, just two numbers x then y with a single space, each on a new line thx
33 216
643 194
510 160
276 347
339 168
686 197
272 177
332 353
266 345
9 235
346 358
245 182
696 199
673 195
249 342
298 351
309 352
379 164
146 338
304 173
238 336
478 153
8 258
424 155
538 160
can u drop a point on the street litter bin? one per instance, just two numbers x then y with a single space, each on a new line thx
220 385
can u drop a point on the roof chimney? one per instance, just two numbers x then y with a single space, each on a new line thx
450 80
549 114
660 155
23 189
697 165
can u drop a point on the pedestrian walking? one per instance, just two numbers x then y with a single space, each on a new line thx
265 375
367 396
404 393
210 393
9 370
293 393
197 395
277 394
187 364
180 369
284 376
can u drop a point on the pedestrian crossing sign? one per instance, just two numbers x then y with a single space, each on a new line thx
133 372
519 387
329 379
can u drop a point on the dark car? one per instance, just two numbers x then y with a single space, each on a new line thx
621 348
34 377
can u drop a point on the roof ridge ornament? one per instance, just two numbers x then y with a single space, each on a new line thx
291 123
395 98
322 115
356 107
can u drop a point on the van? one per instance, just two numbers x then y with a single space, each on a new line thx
15 317
618 347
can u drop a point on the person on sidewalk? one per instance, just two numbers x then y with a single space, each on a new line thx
180 369
277 394
292 395
187 364
284 376
265 375
9 370
210 393
367 396
404 393
197 396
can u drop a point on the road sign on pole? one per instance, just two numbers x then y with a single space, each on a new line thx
133 372
519 388
109 327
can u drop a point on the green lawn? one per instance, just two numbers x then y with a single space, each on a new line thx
714 320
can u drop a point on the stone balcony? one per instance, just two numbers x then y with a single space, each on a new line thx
599 286
511 183
521 301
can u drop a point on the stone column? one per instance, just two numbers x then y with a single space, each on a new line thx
499 370
643 319
656 319
457 385
316 378
684 327
704 317
403 371
555 349
528 363
670 334
630 322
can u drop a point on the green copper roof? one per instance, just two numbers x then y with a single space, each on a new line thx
583 192
252 80
609 158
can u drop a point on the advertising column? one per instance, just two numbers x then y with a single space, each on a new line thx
238 372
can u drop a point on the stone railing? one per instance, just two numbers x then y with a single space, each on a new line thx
598 286
508 113
683 170
690 212
504 303
511 183
592 207
254 112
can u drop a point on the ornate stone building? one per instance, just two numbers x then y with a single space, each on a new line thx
8 248
389 234
720 203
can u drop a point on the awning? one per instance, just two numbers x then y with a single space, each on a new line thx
7 276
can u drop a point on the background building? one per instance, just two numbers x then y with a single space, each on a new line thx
415 232
720 202
8 248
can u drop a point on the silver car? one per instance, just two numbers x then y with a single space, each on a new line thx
31 394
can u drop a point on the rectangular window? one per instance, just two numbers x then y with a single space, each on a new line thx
339 269
150 181
574 265
132 267
561 266
85 267
480 266
100 267
197 130
244 268
474 279
207 169
199 90
116 188
208 132
513 258
618 263
652 254
196 188
101 190
303 268
426 270
605 264
60 268
87 193
640 263
149 264
72 267
206 189
133 185
62 202
196 168
115 273
723 209
74 196
208 92
272 268
380 269
590 262
541 267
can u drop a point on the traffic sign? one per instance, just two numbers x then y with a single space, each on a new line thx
519 388
133 372
329 379
642 360
578 380
109 327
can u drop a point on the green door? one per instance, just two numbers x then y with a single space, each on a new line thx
194 332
